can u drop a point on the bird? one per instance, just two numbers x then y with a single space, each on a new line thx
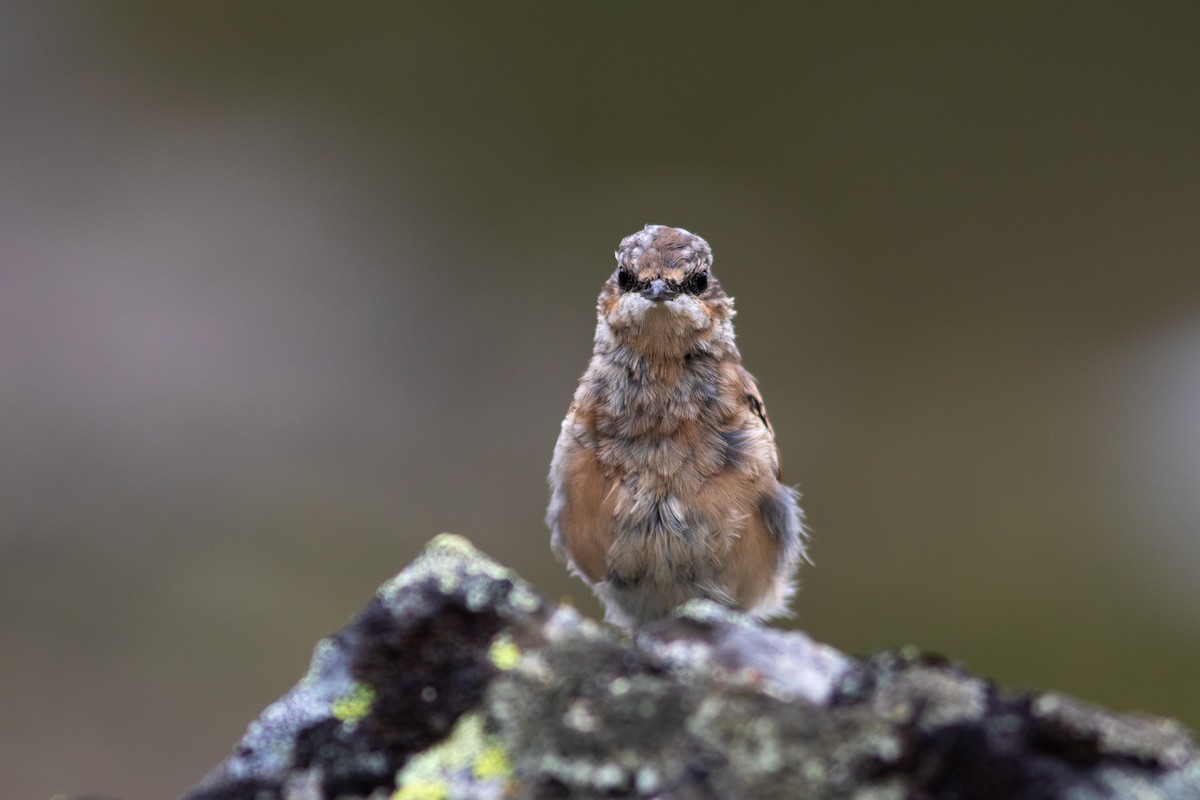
665 483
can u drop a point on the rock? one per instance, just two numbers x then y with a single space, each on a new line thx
460 681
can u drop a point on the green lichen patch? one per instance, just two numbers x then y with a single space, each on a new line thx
422 790
492 763
504 653
469 763
355 704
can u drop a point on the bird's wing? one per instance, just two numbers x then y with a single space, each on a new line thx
581 506
759 410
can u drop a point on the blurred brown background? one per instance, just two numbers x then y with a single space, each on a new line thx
287 289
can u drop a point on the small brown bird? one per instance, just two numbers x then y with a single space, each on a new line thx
665 484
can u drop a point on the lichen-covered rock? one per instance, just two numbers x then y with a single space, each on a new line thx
459 681
392 684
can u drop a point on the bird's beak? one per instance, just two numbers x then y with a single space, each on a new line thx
659 291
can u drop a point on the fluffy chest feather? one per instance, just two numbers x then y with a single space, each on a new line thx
658 424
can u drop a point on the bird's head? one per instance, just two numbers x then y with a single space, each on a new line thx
663 297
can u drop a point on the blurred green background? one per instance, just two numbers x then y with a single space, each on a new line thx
287 289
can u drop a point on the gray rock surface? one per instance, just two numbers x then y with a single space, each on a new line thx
460 681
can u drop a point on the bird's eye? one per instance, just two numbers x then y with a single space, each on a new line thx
697 283
624 279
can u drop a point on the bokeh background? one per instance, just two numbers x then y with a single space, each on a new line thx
287 289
